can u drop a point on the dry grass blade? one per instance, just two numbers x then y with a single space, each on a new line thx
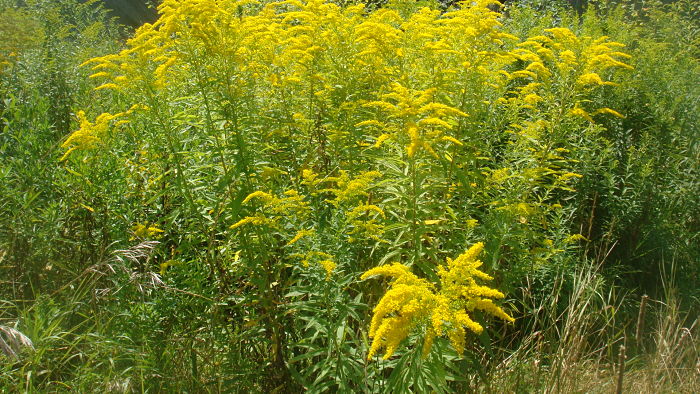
142 280
13 341
145 280
136 253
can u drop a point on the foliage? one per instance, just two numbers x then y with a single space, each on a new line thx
208 197
39 85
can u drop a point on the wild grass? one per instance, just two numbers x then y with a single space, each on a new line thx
581 348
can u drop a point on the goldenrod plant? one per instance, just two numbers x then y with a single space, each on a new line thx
411 300
402 196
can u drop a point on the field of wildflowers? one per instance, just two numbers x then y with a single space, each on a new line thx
282 196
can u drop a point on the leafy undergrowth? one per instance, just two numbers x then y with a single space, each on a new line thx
212 204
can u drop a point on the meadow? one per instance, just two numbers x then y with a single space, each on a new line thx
347 196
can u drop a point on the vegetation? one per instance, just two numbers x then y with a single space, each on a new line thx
281 196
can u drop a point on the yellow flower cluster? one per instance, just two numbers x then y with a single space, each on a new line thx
415 75
299 235
323 259
280 213
275 209
146 231
354 192
334 88
281 44
416 116
578 62
347 189
364 221
411 302
90 134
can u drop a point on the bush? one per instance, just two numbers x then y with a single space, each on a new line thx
239 168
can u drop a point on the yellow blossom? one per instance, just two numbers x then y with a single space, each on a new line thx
89 134
452 140
580 112
413 302
146 231
574 238
349 189
323 259
256 220
380 140
266 197
592 79
299 235
610 112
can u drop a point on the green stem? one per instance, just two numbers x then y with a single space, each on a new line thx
414 209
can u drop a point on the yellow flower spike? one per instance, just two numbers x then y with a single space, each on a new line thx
266 197
164 267
568 57
309 175
532 99
299 235
428 343
328 266
580 112
523 74
526 55
609 111
386 106
146 231
108 86
413 302
68 152
371 122
489 307
399 272
593 79
256 220
463 319
539 69
366 208
441 110
432 121
569 175
350 189
456 336
575 237
415 116
89 134
99 75
563 35
416 142
380 140
323 259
